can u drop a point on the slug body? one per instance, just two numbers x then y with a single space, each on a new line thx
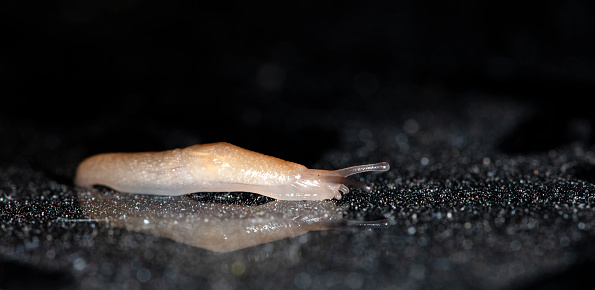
216 167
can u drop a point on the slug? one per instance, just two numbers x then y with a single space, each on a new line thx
217 167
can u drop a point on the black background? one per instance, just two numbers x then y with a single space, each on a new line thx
249 72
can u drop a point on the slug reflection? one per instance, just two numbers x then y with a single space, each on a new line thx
214 226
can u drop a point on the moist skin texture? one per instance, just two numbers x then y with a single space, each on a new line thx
216 167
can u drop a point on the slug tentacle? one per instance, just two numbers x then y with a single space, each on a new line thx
381 166
365 186
333 183
343 189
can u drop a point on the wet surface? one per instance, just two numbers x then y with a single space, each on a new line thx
213 226
482 111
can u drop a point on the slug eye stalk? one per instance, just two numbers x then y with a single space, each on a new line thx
380 167
366 186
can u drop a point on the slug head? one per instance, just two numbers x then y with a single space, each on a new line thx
325 184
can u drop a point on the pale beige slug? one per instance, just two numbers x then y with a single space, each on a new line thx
217 167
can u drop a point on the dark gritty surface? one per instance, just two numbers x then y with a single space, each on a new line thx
480 109
462 214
